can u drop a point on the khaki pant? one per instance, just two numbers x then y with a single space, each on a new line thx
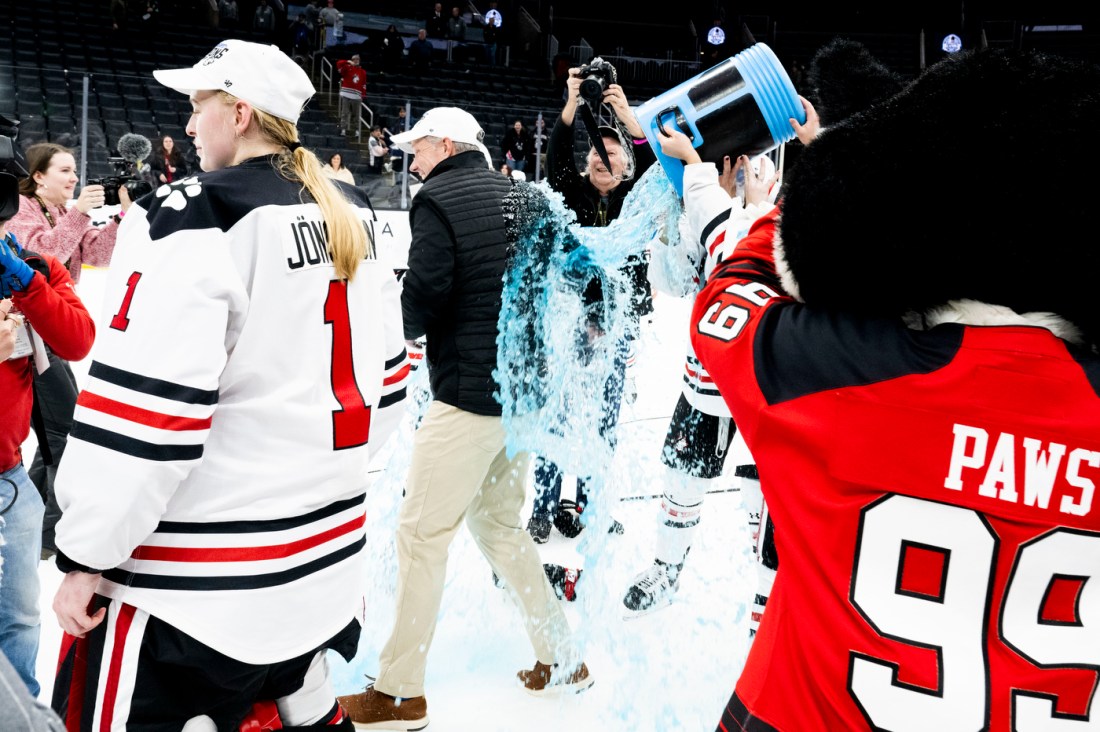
460 469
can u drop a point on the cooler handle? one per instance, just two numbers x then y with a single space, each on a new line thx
679 119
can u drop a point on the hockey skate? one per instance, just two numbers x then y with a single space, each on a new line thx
653 589
569 524
539 529
563 580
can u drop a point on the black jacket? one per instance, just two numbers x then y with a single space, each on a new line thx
452 290
159 166
580 195
584 200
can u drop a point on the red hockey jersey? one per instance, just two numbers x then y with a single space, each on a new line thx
933 496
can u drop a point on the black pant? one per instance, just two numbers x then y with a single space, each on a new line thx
177 677
55 395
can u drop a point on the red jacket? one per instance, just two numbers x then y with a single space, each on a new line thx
56 313
352 78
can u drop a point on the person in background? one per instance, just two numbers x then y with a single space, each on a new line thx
379 153
282 372
118 14
399 124
393 50
421 51
312 14
335 168
490 33
460 469
596 196
230 13
301 37
436 23
263 20
329 14
540 140
35 290
517 146
456 25
353 88
45 225
167 163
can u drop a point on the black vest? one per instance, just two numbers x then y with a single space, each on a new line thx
462 346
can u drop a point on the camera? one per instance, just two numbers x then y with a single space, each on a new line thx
595 78
9 185
125 175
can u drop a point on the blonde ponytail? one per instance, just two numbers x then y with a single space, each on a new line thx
349 241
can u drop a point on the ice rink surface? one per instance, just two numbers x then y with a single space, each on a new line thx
667 671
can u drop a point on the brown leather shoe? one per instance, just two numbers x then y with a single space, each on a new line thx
372 709
541 680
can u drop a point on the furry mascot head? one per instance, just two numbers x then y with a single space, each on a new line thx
973 183
844 78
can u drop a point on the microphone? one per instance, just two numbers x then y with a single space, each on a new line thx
134 148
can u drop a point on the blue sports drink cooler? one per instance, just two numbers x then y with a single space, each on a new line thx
742 106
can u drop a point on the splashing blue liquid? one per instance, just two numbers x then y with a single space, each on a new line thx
555 352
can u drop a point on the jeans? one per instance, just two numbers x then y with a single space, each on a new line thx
21 539
548 475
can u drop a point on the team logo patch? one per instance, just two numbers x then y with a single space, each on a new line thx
178 193
214 55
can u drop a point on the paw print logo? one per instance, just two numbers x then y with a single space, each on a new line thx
178 193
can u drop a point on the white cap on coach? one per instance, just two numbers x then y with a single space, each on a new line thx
452 122
259 74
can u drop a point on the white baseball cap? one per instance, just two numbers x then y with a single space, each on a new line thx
452 122
259 74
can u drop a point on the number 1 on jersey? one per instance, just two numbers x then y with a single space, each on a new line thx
350 423
121 321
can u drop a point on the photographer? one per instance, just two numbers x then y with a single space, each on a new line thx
596 196
44 224
41 295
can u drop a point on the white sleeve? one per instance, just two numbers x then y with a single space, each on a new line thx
395 377
674 265
172 308
717 222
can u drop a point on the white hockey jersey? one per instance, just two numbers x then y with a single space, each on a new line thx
713 224
217 465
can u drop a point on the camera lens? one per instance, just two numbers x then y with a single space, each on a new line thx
592 89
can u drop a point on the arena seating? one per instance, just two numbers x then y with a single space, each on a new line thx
48 49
